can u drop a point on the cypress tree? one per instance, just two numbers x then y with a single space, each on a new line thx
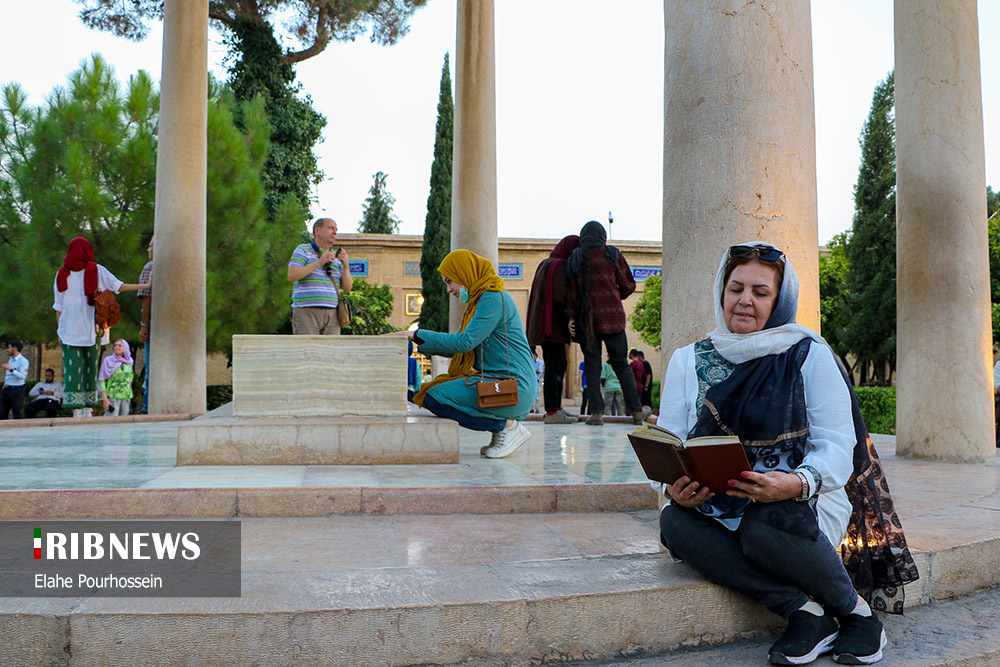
871 250
378 217
437 225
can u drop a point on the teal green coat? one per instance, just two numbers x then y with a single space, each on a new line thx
485 335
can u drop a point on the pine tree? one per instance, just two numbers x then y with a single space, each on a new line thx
437 226
871 249
378 217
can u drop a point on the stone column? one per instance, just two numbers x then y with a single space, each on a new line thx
177 331
474 171
739 151
944 405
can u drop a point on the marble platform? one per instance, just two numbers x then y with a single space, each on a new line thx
219 438
317 400
318 376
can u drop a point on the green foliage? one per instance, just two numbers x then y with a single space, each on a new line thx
244 293
85 165
647 314
656 396
878 407
870 333
371 306
311 24
16 119
993 239
437 225
834 270
378 217
218 395
258 68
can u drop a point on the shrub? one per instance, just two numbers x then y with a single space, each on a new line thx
878 407
217 395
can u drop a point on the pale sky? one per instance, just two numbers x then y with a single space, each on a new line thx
579 104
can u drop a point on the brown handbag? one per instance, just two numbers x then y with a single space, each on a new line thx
496 391
343 308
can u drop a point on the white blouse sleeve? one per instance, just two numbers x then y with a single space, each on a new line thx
107 280
675 393
831 425
57 301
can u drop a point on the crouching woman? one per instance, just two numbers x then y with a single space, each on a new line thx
491 342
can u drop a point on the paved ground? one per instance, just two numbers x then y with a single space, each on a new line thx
964 632
527 576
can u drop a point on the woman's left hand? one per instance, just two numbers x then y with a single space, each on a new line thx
768 487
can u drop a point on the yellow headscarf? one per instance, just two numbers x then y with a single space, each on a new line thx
477 275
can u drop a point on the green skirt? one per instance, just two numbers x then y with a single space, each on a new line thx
80 366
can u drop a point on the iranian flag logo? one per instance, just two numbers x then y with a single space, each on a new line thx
38 543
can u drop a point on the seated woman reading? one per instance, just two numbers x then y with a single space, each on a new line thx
491 342
774 535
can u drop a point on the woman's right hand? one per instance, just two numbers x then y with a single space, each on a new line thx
686 493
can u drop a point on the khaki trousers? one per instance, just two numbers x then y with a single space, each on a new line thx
315 321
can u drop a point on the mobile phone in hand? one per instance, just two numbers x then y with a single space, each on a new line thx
110 409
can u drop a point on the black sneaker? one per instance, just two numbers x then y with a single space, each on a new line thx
806 638
861 640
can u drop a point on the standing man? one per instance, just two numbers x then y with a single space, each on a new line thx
12 396
638 371
319 276
146 296
646 397
48 397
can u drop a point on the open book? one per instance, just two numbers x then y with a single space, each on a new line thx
710 460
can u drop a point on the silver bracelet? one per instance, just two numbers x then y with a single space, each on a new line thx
804 496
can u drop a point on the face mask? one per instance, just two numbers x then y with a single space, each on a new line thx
463 295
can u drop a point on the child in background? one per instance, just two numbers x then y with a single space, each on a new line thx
115 380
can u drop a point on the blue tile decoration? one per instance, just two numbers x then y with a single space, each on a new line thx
640 273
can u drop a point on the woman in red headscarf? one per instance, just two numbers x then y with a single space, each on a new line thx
548 325
77 282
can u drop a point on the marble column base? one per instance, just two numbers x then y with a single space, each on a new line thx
317 441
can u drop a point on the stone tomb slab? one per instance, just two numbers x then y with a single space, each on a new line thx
318 376
317 400
317 441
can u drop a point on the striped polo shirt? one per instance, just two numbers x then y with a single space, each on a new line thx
315 290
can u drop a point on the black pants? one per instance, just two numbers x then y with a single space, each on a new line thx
11 400
776 569
554 356
48 406
617 345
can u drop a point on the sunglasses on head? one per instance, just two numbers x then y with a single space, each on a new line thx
765 253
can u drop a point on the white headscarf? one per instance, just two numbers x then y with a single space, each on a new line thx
779 333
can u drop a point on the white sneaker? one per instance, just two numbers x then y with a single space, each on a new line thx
508 440
493 440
